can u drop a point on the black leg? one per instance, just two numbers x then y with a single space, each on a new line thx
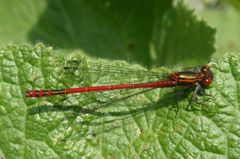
198 90
210 97
179 95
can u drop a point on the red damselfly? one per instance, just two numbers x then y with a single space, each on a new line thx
198 79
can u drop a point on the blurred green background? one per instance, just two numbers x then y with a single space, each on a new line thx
154 32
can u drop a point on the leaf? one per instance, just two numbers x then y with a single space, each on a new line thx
150 33
225 19
18 18
143 126
180 39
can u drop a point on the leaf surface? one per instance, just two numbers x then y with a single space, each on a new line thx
102 125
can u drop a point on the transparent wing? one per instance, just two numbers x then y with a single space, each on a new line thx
117 67
98 101
88 73
80 73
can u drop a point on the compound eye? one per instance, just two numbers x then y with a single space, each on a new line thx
206 82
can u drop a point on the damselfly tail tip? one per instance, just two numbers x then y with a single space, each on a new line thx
30 93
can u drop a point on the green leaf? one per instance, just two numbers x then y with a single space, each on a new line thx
226 20
17 18
100 125
150 33
183 39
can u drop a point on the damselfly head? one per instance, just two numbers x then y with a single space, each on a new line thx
207 76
